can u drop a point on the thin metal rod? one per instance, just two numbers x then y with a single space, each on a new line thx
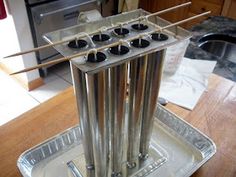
97 31
107 46
74 170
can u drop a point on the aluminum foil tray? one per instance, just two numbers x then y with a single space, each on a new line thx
184 149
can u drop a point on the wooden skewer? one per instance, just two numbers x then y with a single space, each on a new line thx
169 9
97 31
42 65
39 48
106 46
186 20
70 57
63 59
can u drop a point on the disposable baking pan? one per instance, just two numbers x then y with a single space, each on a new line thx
183 149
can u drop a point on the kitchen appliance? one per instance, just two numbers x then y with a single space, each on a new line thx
3 13
50 15
116 86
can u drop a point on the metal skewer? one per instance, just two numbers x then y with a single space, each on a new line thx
98 31
107 46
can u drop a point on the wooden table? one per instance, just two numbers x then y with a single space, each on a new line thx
215 115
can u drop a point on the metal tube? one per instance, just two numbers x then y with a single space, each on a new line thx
97 97
80 89
118 82
152 85
136 91
74 170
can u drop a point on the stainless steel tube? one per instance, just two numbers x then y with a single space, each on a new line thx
153 80
80 88
136 91
118 82
97 106
74 170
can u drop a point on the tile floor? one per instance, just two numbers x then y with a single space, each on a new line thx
12 94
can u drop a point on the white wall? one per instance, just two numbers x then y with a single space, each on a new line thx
15 36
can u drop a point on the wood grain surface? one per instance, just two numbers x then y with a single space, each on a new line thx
215 115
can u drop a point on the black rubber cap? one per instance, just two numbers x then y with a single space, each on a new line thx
121 31
123 50
139 27
144 43
80 44
103 38
100 57
159 37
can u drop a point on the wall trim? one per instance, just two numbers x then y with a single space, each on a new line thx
225 7
35 83
27 85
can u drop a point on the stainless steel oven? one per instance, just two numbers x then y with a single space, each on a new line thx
50 15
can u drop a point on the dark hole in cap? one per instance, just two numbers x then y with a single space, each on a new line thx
139 26
77 45
159 37
121 31
144 43
100 57
115 50
101 37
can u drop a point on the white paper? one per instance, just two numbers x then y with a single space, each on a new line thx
185 87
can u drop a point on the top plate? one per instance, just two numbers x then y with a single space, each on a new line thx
175 34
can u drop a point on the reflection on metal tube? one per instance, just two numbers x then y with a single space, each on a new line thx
74 170
97 97
118 80
153 80
79 81
136 91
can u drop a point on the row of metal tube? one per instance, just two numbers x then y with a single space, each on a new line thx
114 134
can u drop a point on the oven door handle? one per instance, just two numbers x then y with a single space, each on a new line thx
67 16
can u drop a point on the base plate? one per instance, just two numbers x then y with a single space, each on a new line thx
157 157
